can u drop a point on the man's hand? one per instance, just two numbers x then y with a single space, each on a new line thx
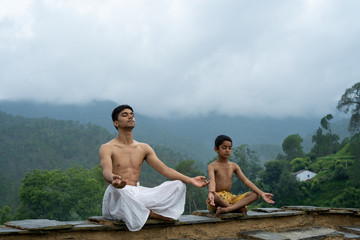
268 197
199 181
211 198
118 182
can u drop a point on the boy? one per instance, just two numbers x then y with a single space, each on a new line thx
221 171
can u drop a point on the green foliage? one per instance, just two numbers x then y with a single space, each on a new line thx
292 146
28 144
73 194
349 198
298 164
350 101
249 164
324 144
195 197
5 214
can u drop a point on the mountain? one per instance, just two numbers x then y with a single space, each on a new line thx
190 136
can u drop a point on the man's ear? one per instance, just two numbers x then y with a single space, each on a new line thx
116 124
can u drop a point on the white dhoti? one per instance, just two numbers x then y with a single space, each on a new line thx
133 204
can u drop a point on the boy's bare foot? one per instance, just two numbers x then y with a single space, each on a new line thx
220 210
244 209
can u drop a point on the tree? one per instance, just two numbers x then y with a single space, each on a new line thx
324 122
249 164
74 194
292 146
5 214
195 197
350 101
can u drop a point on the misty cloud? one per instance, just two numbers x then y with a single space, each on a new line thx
182 58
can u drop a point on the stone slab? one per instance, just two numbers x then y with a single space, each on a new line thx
307 208
6 230
107 222
38 224
310 233
253 214
193 219
207 213
267 210
249 215
349 235
262 235
351 229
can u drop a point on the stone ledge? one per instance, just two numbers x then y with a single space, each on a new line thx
200 225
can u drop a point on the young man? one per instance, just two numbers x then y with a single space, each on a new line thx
121 160
221 171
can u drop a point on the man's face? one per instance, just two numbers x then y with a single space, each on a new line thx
126 119
224 149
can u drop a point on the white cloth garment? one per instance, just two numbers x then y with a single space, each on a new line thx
133 204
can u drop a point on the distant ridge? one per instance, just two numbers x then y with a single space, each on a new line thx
190 136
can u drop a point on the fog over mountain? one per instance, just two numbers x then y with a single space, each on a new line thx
191 136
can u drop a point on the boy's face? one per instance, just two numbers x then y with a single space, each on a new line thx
224 149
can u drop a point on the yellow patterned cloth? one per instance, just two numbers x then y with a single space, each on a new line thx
228 197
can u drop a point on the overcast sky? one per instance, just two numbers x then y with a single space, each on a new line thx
182 58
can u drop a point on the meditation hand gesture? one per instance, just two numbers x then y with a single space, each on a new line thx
118 182
211 198
199 181
267 197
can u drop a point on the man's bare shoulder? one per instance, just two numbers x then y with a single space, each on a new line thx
108 144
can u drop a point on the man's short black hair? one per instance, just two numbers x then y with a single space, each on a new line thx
117 110
220 139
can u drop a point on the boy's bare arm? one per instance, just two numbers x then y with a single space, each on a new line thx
158 165
212 185
266 196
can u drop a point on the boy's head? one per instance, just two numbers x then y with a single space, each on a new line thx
220 139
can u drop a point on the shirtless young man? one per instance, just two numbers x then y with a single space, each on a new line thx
121 160
221 172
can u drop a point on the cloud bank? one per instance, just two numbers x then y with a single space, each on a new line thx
182 58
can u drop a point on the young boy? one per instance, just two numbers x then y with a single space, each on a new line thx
221 171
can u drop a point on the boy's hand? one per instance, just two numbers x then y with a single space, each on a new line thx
118 182
210 198
268 197
199 181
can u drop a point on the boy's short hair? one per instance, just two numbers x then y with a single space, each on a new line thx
220 139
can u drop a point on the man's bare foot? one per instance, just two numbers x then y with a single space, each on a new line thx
157 216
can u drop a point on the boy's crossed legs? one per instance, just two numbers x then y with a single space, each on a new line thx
238 206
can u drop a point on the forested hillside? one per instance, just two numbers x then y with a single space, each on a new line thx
183 134
46 144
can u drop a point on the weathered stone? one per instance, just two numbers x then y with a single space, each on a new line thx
262 235
6 230
192 219
267 210
253 214
107 222
349 235
38 224
207 213
351 229
307 208
310 233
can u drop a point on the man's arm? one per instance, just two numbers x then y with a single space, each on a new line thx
266 196
159 166
106 165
